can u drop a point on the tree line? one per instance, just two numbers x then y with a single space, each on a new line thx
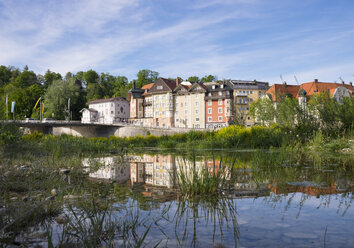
321 113
25 87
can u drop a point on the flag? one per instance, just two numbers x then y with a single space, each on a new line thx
37 103
42 108
13 107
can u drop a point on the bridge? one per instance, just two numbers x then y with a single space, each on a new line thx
88 130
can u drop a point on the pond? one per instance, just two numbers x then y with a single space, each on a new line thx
206 199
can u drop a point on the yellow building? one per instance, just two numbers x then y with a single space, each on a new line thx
246 92
189 105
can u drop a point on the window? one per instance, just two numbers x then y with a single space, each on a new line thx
186 104
251 91
111 112
249 118
176 104
197 111
196 103
209 103
159 87
186 112
197 96
197 119
220 118
219 110
220 102
209 119
163 112
209 110
220 93
177 120
209 94
227 93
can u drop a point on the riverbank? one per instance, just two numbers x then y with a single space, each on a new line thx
232 137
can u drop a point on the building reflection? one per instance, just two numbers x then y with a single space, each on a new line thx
157 174
107 169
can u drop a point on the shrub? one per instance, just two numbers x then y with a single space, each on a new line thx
9 133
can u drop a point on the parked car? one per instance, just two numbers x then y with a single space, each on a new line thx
31 120
48 120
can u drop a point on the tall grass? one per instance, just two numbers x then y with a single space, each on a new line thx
195 178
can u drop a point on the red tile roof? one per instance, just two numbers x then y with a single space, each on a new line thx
278 90
147 86
311 88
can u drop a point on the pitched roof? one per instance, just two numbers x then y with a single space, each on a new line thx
107 100
314 87
147 86
311 88
278 90
169 83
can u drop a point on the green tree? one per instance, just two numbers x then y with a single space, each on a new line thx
146 77
25 99
5 75
56 98
208 78
50 76
193 79
26 79
288 111
346 113
263 110
121 86
93 89
325 111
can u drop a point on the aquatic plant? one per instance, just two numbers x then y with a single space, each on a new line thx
196 178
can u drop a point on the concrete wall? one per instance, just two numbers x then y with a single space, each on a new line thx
86 132
106 131
144 131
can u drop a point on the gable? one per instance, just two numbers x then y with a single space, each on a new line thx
161 85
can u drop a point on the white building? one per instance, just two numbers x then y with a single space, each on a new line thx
108 111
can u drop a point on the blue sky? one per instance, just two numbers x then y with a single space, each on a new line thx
238 39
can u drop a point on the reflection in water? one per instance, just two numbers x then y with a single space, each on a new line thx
107 168
246 180
278 205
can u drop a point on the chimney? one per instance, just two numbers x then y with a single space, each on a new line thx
343 82
315 80
178 81
133 84
350 83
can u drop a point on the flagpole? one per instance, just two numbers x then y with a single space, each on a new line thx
7 109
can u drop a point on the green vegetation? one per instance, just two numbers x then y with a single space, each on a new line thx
25 87
322 113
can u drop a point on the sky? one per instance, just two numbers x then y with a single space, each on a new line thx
232 39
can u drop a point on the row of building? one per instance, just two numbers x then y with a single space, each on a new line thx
167 103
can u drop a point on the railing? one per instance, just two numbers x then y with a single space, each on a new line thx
241 94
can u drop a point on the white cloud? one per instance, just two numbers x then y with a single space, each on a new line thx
128 35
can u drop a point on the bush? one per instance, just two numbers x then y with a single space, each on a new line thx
9 133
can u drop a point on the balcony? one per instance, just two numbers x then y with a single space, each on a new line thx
216 97
241 94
